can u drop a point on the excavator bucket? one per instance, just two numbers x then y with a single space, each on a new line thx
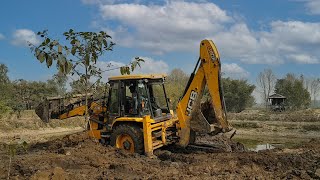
203 120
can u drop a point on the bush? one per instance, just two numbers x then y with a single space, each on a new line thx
3 109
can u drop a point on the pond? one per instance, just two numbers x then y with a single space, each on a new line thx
259 145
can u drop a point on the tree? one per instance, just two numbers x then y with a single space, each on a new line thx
60 81
313 86
78 57
5 92
237 94
266 82
4 79
297 95
20 94
28 94
314 89
176 83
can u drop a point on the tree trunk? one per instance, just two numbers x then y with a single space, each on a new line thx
86 95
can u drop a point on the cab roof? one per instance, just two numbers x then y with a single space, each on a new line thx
140 76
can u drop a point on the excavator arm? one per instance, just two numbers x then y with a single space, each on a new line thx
206 74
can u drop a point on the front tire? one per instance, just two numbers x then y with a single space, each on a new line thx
128 137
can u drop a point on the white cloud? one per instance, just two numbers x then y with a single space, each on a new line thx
283 43
170 27
303 59
2 36
233 70
21 37
180 26
313 6
150 66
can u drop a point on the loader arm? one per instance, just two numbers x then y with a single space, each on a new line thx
207 72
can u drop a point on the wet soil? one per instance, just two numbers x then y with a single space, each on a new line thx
79 157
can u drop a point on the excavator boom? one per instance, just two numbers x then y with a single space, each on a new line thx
206 74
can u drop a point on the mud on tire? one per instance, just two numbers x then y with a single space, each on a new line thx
133 131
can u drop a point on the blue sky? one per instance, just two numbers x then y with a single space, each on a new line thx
251 35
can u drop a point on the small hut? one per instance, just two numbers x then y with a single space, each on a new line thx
277 102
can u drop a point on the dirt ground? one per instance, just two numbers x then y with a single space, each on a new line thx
60 150
78 157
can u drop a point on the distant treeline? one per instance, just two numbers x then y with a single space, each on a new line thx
20 94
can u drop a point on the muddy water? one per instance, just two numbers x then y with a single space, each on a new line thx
266 144
260 147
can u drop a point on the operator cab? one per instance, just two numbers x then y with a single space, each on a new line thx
138 96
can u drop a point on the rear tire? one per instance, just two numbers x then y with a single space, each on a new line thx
128 137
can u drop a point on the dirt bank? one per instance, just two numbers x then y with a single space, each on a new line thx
78 157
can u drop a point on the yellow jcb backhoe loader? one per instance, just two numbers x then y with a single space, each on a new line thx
137 116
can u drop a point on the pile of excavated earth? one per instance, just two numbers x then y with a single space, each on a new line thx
79 157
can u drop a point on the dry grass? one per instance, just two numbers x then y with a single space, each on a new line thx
245 125
309 115
29 120
310 128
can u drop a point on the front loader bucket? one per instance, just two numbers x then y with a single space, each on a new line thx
42 110
50 108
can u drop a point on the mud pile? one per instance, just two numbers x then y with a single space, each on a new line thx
78 157
221 142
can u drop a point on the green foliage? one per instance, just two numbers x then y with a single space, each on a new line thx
60 81
131 67
83 50
28 94
237 94
176 83
297 96
78 57
4 79
4 108
12 151
21 94
5 91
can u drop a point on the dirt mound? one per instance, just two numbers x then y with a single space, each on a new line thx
221 142
78 157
